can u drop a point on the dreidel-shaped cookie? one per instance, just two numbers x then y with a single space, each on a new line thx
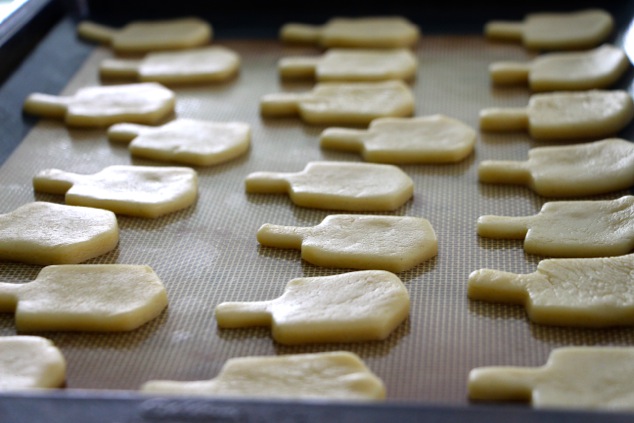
338 185
425 139
361 32
187 141
149 35
358 306
342 103
48 233
335 376
555 30
30 362
569 228
144 191
586 292
192 66
564 115
145 103
600 67
85 297
565 171
351 65
598 378
393 243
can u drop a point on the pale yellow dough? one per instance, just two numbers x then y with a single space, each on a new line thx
338 186
556 30
85 297
351 307
187 141
362 32
342 103
48 233
586 292
335 376
589 378
146 103
569 228
565 171
193 66
351 65
144 191
144 36
393 243
425 139
564 115
598 68
30 362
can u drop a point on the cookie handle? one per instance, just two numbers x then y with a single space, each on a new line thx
499 119
343 139
509 73
46 105
501 383
280 104
54 181
9 296
120 68
297 67
504 30
96 32
125 132
504 227
282 236
504 172
243 314
267 183
497 286
300 33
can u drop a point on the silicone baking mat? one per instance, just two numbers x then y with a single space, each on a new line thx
208 253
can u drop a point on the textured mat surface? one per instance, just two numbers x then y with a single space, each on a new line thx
208 253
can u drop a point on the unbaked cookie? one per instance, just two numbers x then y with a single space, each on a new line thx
30 362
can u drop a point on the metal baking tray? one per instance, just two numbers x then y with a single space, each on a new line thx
208 253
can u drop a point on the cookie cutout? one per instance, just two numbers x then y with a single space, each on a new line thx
186 141
584 292
569 228
145 36
393 243
194 66
565 171
555 31
426 139
48 233
361 32
598 68
145 103
351 65
351 307
338 185
144 191
335 376
85 297
342 103
30 362
596 378
564 115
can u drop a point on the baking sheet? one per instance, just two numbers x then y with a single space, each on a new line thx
208 254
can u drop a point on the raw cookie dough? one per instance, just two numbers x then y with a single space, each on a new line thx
564 115
145 191
335 376
362 32
85 297
584 292
351 65
597 378
569 228
30 362
598 68
565 171
146 103
342 103
187 141
193 66
338 186
425 139
144 36
555 31
48 233
351 307
394 243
